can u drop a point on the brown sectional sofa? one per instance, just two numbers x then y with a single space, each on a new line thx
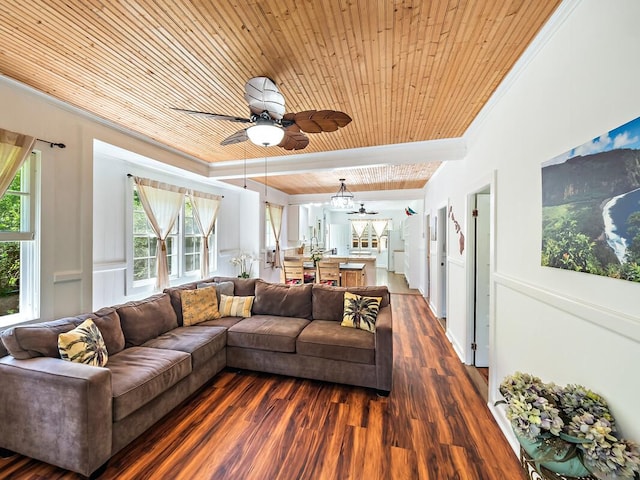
77 416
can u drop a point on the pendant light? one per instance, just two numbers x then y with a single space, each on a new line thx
343 198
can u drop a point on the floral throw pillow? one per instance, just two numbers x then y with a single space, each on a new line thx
83 344
360 312
199 305
236 306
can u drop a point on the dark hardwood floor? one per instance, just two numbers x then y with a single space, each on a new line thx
247 425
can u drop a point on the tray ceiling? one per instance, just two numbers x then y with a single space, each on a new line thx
405 71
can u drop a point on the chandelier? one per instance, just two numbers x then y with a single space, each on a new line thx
343 198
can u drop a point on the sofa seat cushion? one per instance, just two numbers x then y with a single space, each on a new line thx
327 339
140 374
201 342
267 332
226 322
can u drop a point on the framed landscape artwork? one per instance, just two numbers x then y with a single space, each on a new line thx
591 206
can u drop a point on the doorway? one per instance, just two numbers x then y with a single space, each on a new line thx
482 271
480 288
441 252
427 273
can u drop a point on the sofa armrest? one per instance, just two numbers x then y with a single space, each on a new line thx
384 348
56 411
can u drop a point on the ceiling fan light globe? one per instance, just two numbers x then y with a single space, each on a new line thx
265 135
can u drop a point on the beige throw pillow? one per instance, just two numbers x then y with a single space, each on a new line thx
199 305
236 306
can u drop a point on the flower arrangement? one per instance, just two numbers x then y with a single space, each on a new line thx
316 255
570 420
245 262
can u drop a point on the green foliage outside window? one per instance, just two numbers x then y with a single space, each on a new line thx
10 205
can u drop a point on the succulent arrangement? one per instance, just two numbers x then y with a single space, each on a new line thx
573 420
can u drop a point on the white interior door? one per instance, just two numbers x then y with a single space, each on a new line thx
442 262
427 267
339 238
482 287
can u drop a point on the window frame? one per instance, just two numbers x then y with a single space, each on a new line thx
29 238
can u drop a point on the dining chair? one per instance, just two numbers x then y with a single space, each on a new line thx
329 273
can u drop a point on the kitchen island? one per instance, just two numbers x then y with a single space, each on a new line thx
367 274
352 274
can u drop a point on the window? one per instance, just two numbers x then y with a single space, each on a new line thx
19 266
363 241
193 242
183 246
145 246
369 237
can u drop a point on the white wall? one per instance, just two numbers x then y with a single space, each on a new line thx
563 326
67 236
111 189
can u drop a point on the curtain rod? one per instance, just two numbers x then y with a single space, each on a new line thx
52 144
130 175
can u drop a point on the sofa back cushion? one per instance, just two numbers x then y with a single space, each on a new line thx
176 297
328 301
108 322
37 339
146 319
283 300
242 287
3 351
222 288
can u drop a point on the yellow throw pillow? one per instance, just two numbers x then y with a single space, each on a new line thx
83 344
235 306
199 305
360 312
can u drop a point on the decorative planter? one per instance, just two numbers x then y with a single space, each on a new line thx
565 462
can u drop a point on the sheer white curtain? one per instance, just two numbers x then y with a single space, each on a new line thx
378 227
162 203
14 149
359 226
275 213
205 210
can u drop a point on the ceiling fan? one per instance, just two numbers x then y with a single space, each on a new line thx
272 125
362 211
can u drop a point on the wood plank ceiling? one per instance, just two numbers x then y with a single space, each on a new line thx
405 71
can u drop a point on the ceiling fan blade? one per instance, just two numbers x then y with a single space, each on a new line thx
214 116
316 121
239 136
294 139
262 94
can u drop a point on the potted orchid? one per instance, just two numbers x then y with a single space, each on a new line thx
568 430
245 263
